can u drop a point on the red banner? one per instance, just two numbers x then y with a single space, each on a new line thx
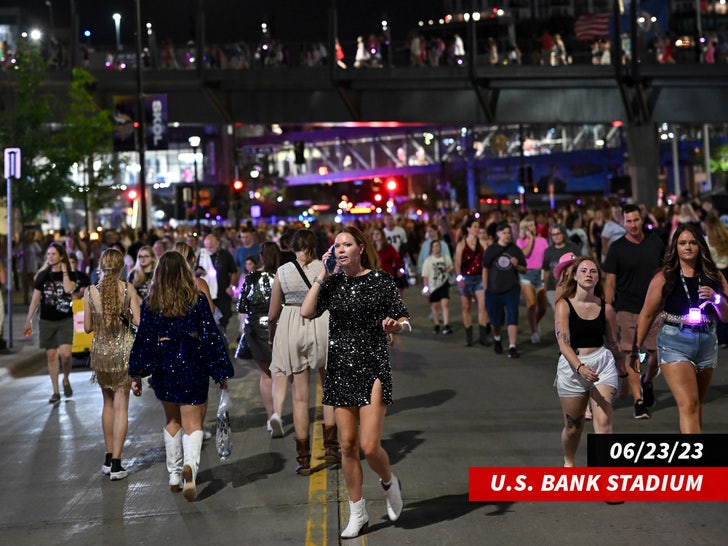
605 484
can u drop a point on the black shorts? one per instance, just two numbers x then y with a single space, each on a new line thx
442 293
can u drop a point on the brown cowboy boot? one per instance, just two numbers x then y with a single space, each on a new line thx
303 451
332 453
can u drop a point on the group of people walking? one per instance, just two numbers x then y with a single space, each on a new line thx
639 311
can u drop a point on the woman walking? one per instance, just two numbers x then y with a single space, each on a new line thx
141 274
436 271
690 293
586 369
109 310
253 303
365 308
52 290
299 346
469 275
180 345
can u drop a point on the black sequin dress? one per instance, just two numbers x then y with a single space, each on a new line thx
358 346
181 353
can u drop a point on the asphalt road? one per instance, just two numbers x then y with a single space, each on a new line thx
455 408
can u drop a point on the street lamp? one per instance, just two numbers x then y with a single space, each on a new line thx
195 143
117 25
50 16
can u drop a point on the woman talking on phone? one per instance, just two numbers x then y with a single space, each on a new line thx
690 292
365 308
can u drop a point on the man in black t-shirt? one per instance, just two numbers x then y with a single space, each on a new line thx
630 264
502 262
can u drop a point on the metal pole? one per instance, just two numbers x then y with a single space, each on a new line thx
675 163
141 117
706 157
197 193
9 262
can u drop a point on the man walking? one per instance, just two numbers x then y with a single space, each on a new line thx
631 262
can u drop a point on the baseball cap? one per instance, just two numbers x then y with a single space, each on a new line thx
565 261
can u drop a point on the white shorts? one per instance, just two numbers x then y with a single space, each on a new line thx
568 383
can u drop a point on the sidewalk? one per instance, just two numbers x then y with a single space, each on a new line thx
24 357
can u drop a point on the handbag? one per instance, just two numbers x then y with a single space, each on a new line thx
223 441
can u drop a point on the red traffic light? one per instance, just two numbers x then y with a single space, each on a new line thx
392 184
132 195
238 185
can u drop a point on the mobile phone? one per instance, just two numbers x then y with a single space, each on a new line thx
331 260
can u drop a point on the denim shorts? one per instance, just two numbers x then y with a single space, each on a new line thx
532 277
495 303
675 344
471 284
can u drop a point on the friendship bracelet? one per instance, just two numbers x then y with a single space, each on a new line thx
579 367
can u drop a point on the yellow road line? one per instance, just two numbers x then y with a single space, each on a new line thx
317 504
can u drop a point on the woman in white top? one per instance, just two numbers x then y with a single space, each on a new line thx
436 272
299 346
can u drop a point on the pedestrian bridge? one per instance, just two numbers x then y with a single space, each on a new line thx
688 94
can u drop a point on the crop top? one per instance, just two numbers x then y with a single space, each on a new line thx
586 333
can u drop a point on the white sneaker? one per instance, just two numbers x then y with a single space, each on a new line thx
535 338
276 425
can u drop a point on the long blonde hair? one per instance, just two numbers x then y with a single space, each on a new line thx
138 275
110 266
173 289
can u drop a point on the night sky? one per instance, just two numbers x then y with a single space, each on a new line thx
231 20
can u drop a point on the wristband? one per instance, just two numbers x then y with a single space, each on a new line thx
579 367
622 376
407 324
318 281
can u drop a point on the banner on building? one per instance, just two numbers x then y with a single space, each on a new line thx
155 122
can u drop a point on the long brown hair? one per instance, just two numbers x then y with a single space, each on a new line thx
369 259
110 266
569 289
173 289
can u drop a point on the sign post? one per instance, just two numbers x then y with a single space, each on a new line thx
12 170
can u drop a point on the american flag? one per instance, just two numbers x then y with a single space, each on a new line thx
590 27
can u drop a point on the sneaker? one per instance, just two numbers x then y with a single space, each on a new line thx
513 353
393 494
436 329
497 346
535 338
55 398
117 472
446 330
106 467
268 428
640 410
67 390
648 393
276 425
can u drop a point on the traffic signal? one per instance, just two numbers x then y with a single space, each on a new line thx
238 186
378 197
392 185
131 196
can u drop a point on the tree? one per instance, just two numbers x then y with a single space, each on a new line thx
44 168
88 140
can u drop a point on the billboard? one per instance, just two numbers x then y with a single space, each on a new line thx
155 122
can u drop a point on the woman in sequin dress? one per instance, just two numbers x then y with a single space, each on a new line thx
365 308
109 309
253 304
299 347
141 274
180 345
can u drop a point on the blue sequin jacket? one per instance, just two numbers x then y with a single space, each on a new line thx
180 353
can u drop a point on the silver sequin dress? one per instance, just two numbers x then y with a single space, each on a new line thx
358 346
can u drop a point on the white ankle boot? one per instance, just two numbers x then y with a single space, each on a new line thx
394 498
358 519
192 444
173 446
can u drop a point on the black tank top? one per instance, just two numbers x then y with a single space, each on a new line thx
586 333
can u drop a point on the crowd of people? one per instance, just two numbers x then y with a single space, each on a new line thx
633 292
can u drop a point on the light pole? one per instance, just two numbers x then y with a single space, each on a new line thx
195 143
50 17
117 25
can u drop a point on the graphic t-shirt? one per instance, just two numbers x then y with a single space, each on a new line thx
55 302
